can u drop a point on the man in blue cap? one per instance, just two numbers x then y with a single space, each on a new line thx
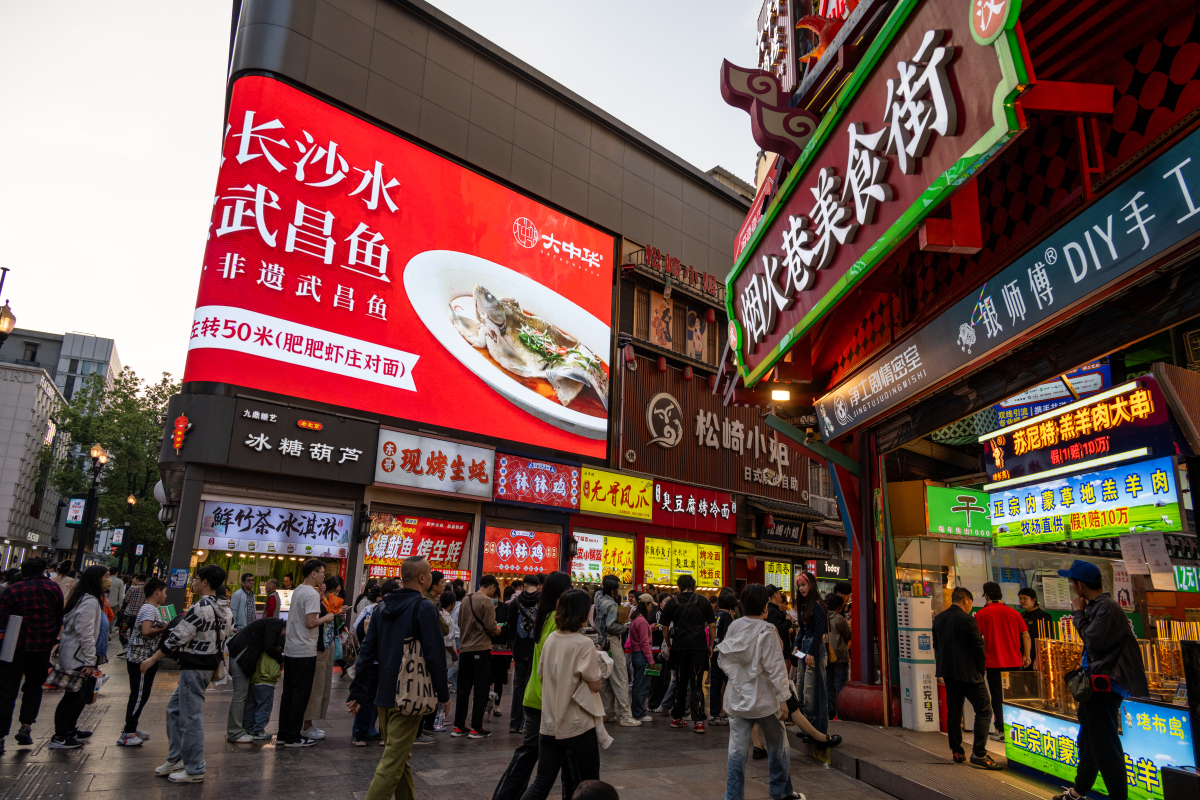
1112 650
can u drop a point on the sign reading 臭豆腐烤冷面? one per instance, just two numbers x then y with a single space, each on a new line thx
874 170
1152 211
958 512
1152 737
394 538
433 465
1126 418
536 481
243 527
1138 497
614 493
679 506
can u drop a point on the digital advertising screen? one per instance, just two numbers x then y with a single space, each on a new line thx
347 265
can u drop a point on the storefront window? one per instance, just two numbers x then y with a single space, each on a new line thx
933 569
395 537
601 554
665 560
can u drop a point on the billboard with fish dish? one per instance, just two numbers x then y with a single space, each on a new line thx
347 265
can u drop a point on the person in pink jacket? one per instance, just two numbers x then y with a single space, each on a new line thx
643 655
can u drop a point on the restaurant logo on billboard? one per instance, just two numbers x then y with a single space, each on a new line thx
664 420
957 512
335 248
435 465
545 483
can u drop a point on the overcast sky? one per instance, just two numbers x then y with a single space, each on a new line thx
112 116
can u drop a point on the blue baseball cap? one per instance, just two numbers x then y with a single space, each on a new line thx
1084 571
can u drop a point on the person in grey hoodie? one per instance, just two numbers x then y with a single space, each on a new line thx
757 693
84 624
610 636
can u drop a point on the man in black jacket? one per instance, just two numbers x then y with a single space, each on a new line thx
1112 650
521 616
261 636
383 650
958 648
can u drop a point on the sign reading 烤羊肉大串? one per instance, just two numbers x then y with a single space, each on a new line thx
957 512
1130 498
1146 215
1128 417
928 105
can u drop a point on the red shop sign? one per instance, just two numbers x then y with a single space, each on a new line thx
395 538
544 483
679 506
519 552
336 250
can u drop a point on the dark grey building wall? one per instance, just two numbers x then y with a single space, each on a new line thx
410 66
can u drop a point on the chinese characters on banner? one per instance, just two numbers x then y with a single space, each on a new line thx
600 555
961 512
393 539
1088 380
249 528
779 575
518 552
1136 417
664 560
436 465
305 287
1131 498
679 506
613 493
544 483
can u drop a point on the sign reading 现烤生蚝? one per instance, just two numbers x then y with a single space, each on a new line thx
233 525
433 465
613 493
1128 417
958 512
1152 737
904 133
1149 213
537 481
1130 498
332 240
395 538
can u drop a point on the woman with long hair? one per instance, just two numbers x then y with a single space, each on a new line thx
610 636
642 654
812 626
570 716
516 778
84 624
726 604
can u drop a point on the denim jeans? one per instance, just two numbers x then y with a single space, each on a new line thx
364 718
521 671
614 690
258 707
185 726
779 756
234 728
812 688
641 684
838 674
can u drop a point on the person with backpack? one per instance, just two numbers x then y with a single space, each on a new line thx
364 729
686 618
401 619
477 619
642 655
610 634
256 652
522 615
143 641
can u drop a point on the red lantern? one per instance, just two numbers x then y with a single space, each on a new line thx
712 382
769 521
751 563
710 316
662 364
687 373
629 356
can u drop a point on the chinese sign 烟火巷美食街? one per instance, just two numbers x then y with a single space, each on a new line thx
395 538
1152 737
438 465
1139 497
268 529
1152 211
961 512
613 493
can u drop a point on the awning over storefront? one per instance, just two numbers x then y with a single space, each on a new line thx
790 510
1182 390
781 549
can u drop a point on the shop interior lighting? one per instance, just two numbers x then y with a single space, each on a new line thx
1083 466
780 395
1087 401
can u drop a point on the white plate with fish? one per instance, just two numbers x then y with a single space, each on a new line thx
536 348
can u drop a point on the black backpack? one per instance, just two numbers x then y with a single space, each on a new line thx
689 618
526 616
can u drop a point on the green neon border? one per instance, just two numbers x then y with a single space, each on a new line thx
1014 78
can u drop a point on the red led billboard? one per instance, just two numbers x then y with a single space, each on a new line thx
349 266
530 480
508 550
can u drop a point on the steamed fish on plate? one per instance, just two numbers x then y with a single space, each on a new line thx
533 349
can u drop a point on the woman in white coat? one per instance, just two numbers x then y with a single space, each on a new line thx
83 624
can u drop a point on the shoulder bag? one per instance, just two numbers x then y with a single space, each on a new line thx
414 686
1079 681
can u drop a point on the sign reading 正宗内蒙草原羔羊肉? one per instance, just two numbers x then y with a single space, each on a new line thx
1142 218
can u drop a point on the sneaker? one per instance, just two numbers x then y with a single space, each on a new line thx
313 733
24 736
984 762
996 736
167 767
440 729
646 718
64 743
260 735
630 722
720 721
1068 793
145 737
424 738
359 742
129 740
497 713
759 753
699 727
302 743
678 723
960 758
81 735
480 734
183 776
457 732
245 738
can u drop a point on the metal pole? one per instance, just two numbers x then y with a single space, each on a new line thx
89 516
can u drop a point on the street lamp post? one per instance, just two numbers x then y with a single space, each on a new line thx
132 501
8 320
99 458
